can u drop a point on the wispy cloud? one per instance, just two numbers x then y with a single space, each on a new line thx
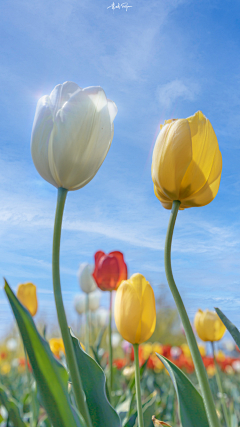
175 90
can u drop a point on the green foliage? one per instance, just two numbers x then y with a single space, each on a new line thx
94 383
230 327
50 375
191 408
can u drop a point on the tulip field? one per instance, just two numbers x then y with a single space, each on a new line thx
20 404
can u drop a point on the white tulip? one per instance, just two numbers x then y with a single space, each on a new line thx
116 338
79 303
72 133
94 300
11 344
86 281
102 316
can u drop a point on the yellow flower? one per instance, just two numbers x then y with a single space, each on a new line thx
187 162
5 368
209 326
186 350
211 370
27 295
56 346
135 311
147 350
202 349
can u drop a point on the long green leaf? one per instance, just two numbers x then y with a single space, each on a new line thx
12 407
230 327
93 382
50 375
191 407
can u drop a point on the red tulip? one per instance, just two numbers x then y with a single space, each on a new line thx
110 270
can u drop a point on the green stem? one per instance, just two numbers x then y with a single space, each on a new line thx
70 355
197 359
29 387
219 384
110 348
87 324
138 386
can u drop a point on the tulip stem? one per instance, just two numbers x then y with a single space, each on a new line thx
110 348
29 387
138 386
197 359
219 384
87 331
70 355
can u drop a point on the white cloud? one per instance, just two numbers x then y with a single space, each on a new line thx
169 93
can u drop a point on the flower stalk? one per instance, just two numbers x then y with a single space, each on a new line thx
110 348
138 386
87 329
197 359
70 355
219 384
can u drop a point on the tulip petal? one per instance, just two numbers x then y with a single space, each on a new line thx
121 264
127 311
41 133
82 127
61 94
204 148
172 155
112 108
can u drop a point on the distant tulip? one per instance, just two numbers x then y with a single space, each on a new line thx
116 339
57 346
79 303
94 300
186 162
72 133
27 295
209 326
110 270
85 278
12 344
102 316
135 310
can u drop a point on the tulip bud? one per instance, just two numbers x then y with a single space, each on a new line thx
72 133
27 295
209 326
186 162
94 300
135 310
79 303
109 270
85 278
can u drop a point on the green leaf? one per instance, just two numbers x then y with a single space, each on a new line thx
148 411
191 407
93 382
230 327
50 375
12 407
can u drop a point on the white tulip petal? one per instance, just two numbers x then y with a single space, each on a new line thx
41 133
85 278
61 94
112 108
83 127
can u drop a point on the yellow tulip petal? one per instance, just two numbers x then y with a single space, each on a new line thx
172 155
127 311
209 326
135 312
27 295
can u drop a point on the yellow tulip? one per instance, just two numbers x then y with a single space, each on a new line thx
187 162
5 368
27 295
209 326
56 346
135 311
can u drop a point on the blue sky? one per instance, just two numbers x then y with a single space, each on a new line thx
160 59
